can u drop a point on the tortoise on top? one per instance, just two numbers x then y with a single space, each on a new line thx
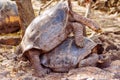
50 29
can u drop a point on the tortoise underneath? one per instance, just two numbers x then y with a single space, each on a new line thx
67 56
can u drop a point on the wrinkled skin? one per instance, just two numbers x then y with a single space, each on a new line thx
68 56
50 29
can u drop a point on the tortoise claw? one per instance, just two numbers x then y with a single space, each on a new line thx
47 70
81 45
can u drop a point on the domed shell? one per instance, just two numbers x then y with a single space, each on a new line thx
47 30
67 55
9 19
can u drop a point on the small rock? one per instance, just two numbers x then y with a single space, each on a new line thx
2 58
5 73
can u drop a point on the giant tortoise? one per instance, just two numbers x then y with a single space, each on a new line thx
68 56
50 29
9 19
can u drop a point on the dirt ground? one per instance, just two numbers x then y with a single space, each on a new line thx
12 69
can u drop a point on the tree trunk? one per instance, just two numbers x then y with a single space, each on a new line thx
26 13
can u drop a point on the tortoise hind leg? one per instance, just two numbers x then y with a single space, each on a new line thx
87 22
34 59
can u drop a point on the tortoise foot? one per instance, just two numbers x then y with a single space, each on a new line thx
81 45
42 72
47 70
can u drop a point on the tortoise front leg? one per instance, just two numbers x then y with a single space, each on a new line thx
35 60
78 32
90 61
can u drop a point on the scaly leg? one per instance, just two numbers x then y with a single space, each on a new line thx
34 59
78 32
87 22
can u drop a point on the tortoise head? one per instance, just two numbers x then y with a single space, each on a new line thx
98 49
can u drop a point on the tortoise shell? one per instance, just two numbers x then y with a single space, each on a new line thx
47 30
67 55
9 19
